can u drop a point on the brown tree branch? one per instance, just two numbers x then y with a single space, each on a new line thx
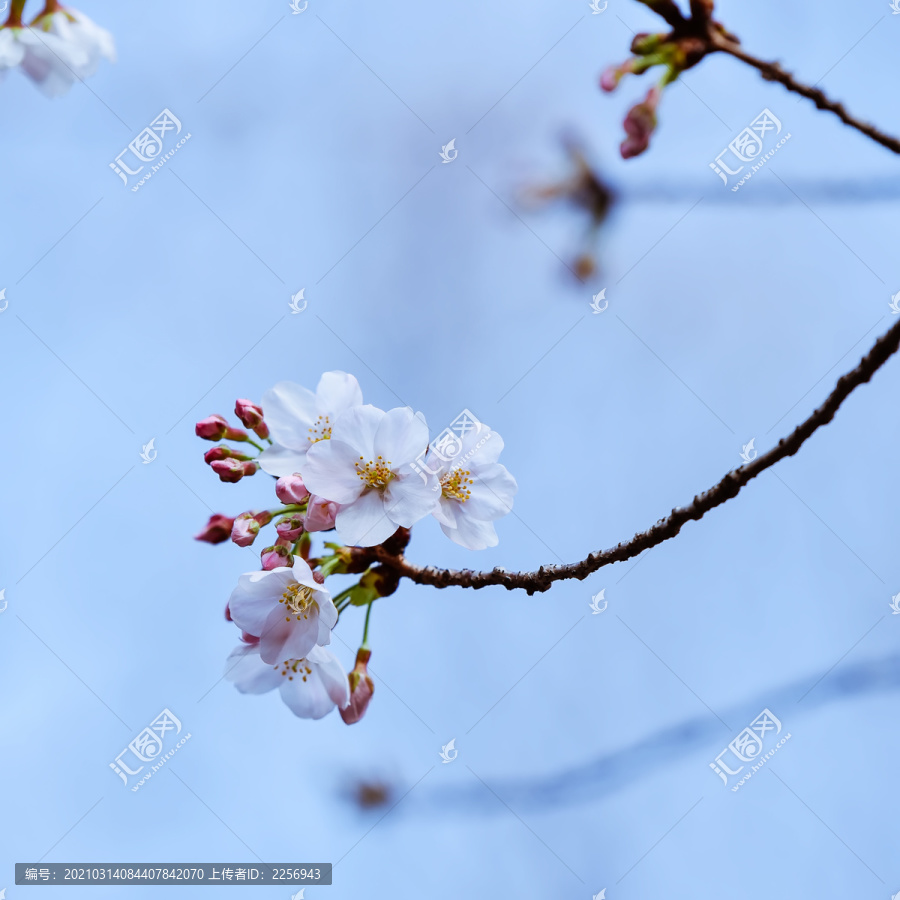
664 529
772 71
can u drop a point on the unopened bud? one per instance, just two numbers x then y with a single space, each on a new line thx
640 123
251 416
223 451
290 527
217 530
246 527
232 470
320 514
291 489
215 428
361 689
275 557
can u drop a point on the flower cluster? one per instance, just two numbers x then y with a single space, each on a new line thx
59 47
364 473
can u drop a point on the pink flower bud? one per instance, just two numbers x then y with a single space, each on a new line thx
318 577
640 123
232 470
217 530
275 557
249 638
290 527
610 79
223 452
320 514
214 428
251 416
245 530
228 613
361 689
291 489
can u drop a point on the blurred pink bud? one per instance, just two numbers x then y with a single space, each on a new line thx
274 557
640 123
249 638
320 514
228 613
217 530
290 527
610 78
291 489
251 416
318 577
232 470
361 689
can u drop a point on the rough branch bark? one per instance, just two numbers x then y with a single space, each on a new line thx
664 529
772 71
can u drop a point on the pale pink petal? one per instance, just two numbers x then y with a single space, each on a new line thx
364 522
255 596
332 674
330 471
279 461
338 392
249 674
290 410
357 427
402 435
408 499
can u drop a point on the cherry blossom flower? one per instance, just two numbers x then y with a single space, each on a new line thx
286 608
86 41
311 686
475 490
298 418
320 514
46 60
365 468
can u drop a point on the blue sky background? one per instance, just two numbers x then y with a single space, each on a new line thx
584 741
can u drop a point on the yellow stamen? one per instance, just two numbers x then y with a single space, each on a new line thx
375 474
455 485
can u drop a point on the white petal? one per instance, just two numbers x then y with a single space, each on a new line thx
474 534
290 411
408 499
332 674
364 522
278 460
492 493
357 427
255 596
402 436
307 699
338 392
249 674
330 471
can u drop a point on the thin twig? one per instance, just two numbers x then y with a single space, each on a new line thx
667 528
772 71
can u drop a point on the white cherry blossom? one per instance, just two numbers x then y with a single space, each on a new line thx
365 468
298 418
311 686
475 489
286 609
